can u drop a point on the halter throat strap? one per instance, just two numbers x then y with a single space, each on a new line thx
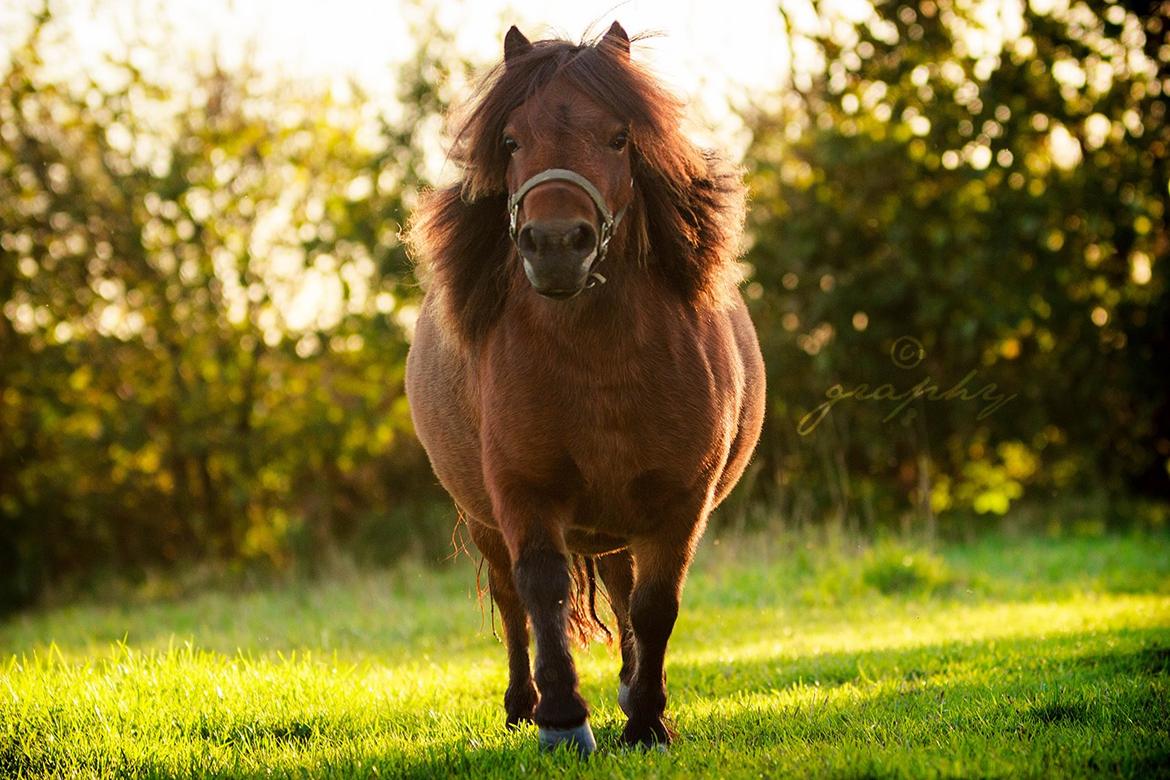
609 220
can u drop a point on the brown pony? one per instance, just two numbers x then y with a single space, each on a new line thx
584 375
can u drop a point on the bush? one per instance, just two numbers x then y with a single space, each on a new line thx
893 569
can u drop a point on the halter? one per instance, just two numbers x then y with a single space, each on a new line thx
609 220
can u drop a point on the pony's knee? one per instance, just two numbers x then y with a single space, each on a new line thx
542 578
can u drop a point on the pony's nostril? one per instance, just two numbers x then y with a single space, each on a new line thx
581 239
566 238
526 241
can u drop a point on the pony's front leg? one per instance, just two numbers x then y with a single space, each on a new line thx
520 697
541 573
617 572
660 568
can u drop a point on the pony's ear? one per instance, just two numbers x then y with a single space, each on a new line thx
616 37
515 44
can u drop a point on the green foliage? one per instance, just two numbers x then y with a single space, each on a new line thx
892 568
1039 668
205 303
937 201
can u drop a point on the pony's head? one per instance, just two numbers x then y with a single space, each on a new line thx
571 153
568 173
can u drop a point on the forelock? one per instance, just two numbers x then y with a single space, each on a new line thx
596 69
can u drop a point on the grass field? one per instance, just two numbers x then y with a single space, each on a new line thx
1006 657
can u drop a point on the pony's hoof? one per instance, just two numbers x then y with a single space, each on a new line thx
579 739
651 736
624 698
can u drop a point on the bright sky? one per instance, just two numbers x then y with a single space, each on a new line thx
700 37
709 52
704 52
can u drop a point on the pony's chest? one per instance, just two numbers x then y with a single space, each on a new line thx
595 429
624 436
629 459
639 424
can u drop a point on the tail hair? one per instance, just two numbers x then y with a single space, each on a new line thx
584 623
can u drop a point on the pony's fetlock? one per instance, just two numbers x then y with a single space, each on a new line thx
520 704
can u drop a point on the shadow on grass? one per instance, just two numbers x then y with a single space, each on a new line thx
1061 654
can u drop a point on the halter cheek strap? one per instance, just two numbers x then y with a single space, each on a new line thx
609 220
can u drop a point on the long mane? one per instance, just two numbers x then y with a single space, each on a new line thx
684 224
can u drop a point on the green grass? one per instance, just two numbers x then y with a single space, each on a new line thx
1007 657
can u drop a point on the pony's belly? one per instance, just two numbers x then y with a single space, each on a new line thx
585 542
638 504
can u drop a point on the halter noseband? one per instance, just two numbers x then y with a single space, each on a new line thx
609 220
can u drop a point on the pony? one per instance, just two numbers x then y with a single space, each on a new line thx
584 375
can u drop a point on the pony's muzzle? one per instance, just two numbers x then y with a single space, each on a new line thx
558 255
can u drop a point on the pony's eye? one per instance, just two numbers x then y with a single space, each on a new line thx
510 144
620 140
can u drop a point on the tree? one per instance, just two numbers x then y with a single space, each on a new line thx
205 315
994 188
